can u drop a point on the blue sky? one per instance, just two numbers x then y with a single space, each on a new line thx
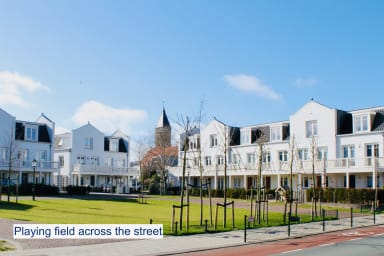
113 63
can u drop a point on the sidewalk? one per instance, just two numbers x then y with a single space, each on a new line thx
172 245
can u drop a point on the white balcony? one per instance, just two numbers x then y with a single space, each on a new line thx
100 170
19 165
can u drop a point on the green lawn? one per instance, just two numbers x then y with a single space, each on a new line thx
118 211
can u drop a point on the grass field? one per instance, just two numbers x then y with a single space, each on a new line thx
119 211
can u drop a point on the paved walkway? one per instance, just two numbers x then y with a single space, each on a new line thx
171 245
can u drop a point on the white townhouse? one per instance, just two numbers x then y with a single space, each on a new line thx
21 142
345 149
87 157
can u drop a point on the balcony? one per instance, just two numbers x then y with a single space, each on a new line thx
100 170
27 165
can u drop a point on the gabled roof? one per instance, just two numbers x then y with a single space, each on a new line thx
163 120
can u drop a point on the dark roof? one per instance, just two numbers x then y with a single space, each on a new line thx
344 122
163 121
378 123
123 144
43 135
260 134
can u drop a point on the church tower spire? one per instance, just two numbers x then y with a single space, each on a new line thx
163 131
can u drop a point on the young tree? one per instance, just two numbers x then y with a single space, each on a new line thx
261 136
313 162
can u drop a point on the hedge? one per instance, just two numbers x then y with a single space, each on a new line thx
347 195
26 189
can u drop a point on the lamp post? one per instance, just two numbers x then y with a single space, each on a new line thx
34 164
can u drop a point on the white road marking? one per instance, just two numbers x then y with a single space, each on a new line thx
327 244
292 251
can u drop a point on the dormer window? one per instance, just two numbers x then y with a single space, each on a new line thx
245 137
213 139
114 145
360 123
275 134
31 132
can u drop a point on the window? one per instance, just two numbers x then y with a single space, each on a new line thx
235 159
372 150
322 153
81 160
219 160
349 151
208 161
108 161
303 154
284 181
237 182
196 161
360 123
114 145
251 158
95 161
311 128
61 161
276 134
4 153
213 139
43 156
369 181
245 137
305 182
283 156
266 157
88 143
31 133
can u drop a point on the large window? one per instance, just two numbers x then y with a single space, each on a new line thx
360 123
311 128
235 159
88 143
114 145
283 156
251 158
31 132
213 139
322 153
219 160
81 159
208 161
303 154
276 134
266 157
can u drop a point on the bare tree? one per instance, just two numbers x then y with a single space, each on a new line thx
313 162
261 138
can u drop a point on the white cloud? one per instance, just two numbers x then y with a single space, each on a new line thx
14 85
108 119
305 82
252 84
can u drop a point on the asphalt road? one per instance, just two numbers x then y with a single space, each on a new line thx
362 241
367 246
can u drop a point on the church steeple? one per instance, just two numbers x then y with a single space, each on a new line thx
163 131
163 121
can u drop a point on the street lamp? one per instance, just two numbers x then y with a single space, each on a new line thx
34 164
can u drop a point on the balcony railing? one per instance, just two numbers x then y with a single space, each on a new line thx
336 165
102 170
27 165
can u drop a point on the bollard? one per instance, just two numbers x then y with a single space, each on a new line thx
337 214
374 214
206 225
245 228
150 221
351 217
176 228
323 220
289 224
